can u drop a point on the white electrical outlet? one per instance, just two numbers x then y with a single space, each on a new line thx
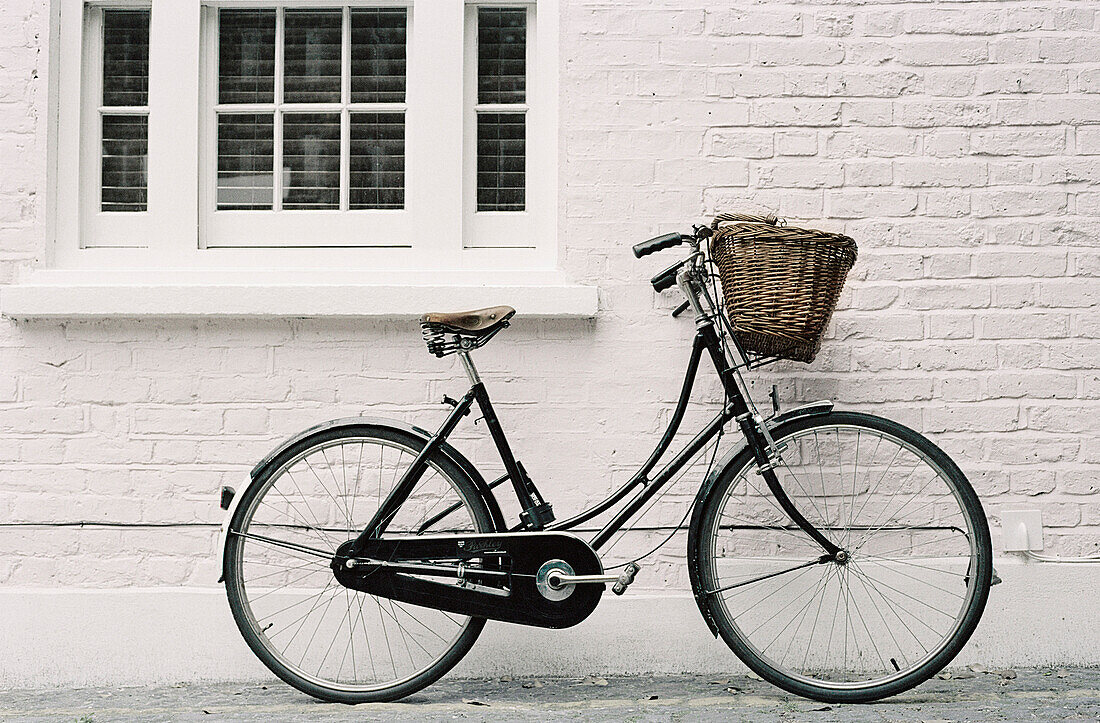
1022 530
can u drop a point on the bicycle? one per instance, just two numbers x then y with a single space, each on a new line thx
842 556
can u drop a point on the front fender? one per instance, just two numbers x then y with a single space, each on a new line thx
812 409
450 452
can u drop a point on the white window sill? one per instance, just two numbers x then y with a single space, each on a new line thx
231 293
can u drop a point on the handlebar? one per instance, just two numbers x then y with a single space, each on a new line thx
666 278
660 243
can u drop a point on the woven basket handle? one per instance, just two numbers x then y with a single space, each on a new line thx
770 219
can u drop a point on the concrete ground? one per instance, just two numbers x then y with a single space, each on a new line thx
974 694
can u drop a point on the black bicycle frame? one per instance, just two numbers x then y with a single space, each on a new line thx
735 408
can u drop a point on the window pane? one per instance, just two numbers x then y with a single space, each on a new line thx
501 140
246 145
377 160
311 155
125 158
378 55
246 56
125 57
311 56
501 55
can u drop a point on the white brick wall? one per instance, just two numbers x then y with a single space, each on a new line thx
959 143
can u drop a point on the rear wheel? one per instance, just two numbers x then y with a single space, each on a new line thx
890 611
327 640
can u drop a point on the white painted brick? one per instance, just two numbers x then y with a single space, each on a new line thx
951 83
739 143
971 418
1031 386
754 21
833 23
868 173
798 52
860 204
935 113
794 174
876 142
1025 326
921 52
1069 293
704 52
1000 264
796 143
920 172
1019 202
796 113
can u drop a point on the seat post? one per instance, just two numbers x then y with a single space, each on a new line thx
468 365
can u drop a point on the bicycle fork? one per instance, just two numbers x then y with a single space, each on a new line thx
760 440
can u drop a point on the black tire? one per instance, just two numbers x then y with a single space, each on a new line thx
755 539
296 520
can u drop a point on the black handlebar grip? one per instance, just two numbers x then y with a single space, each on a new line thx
658 243
667 278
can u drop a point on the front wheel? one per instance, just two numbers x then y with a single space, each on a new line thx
327 640
886 614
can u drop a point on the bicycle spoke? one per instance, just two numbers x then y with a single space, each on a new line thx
314 627
868 617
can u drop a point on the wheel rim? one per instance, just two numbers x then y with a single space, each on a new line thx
319 631
872 620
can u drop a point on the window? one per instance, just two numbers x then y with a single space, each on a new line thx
376 133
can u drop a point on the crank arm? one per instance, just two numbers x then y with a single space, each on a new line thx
558 579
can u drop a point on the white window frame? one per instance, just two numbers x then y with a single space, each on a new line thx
503 229
436 232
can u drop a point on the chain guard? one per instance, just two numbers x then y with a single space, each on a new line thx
484 575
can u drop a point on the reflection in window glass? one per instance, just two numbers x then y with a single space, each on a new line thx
311 155
377 160
124 146
378 55
501 161
124 163
246 56
311 56
246 155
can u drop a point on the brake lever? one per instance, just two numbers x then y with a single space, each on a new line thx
681 309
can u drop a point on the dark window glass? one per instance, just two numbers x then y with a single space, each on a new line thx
377 160
501 55
378 55
126 57
246 152
311 56
311 154
124 164
501 141
246 56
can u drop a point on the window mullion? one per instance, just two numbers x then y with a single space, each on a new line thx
174 34
345 114
434 123
277 114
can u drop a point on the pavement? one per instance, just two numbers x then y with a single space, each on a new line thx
967 694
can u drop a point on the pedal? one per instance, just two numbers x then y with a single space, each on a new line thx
625 578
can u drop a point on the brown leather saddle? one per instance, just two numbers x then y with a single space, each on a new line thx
478 322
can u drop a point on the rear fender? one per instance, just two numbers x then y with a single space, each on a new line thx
450 452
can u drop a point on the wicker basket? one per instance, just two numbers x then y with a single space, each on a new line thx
780 284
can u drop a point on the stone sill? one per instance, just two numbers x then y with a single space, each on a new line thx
228 293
